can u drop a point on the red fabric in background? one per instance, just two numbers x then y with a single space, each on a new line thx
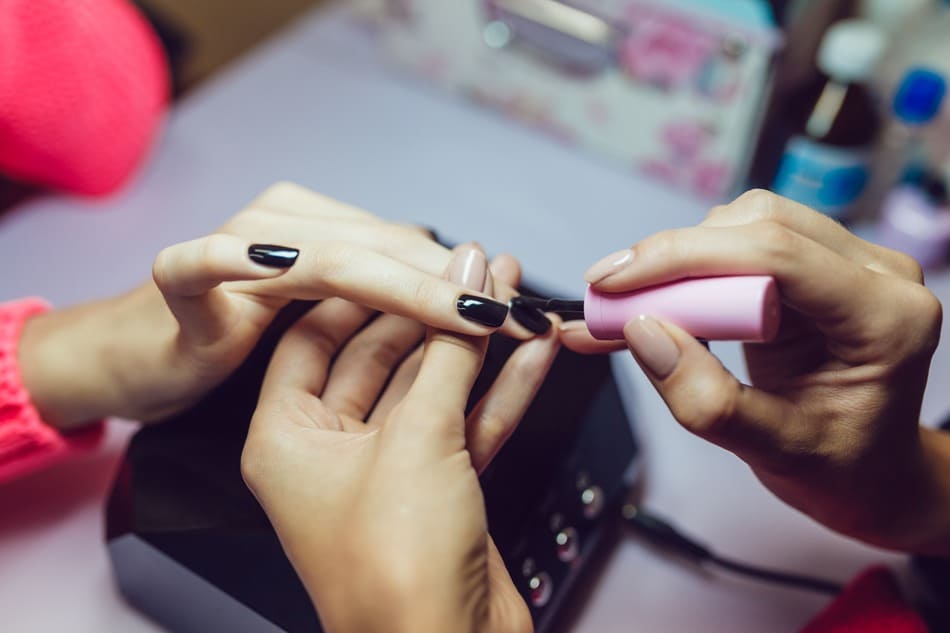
871 603
83 85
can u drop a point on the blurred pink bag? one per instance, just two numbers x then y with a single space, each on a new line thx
83 86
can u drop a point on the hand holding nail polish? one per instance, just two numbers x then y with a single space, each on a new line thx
828 417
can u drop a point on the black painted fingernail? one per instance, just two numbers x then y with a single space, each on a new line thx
529 316
273 256
481 310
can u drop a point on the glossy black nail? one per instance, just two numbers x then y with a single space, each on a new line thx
529 316
481 310
272 255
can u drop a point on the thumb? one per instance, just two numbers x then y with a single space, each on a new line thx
451 362
760 427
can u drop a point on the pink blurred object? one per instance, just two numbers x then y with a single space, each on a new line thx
664 49
83 86
746 308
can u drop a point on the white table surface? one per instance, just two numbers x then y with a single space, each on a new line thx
315 106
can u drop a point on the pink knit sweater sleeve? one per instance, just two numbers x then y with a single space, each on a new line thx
26 442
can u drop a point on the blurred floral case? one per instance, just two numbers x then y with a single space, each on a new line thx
671 88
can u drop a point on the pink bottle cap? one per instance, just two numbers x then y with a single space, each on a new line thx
746 308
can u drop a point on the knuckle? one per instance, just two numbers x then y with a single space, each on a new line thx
330 263
263 449
348 404
719 212
279 191
492 427
414 231
214 249
250 464
469 346
906 266
756 205
932 310
253 460
666 244
426 294
384 353
162 269
403 236
323 341
927 314
775 240
711 405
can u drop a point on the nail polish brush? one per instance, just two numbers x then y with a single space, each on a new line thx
734 308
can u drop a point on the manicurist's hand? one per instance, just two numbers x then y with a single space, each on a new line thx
158 349
368 467
830 421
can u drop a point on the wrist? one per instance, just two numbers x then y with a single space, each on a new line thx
92 361
62 369
414 614
374 600
27 441
912 513
934 540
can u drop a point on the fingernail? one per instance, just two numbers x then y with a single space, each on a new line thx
481 310
653 346
272 255
469 268
608 266
530 317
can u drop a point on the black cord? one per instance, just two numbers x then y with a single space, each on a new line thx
809 583
662 533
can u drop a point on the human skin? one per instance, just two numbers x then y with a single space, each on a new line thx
156 350
369 472
830 421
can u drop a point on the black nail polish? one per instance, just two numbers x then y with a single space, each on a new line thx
273 256
481 310
530 317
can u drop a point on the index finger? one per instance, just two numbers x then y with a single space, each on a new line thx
812 279
363 276
759 205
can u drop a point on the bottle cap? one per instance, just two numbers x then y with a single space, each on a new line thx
919 96
851 49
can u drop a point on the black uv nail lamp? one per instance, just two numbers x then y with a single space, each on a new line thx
192 549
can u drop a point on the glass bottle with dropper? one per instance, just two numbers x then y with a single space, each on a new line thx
836 120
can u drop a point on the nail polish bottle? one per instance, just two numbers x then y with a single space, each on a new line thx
735 308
